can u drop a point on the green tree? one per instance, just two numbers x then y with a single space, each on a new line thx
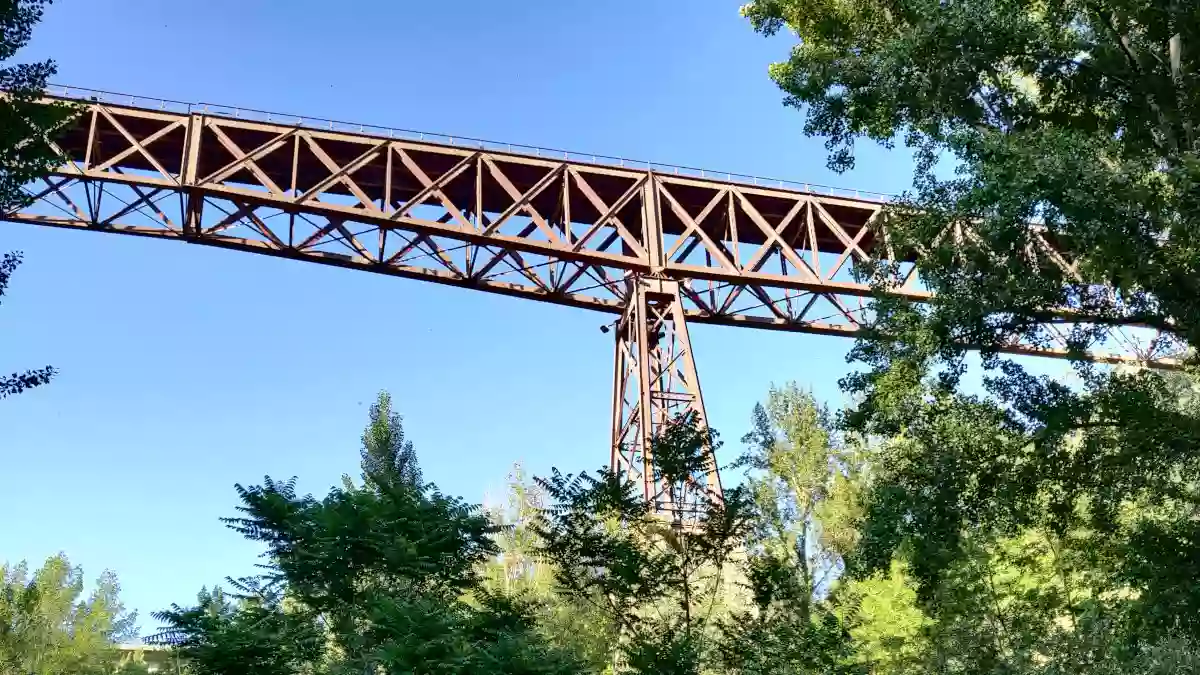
387 573
806 483
1079 116
517 567
49 627
1008 576
519 570
250 633
888 628
670 584
654 576
385 452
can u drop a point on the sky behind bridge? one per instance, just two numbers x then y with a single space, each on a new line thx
185 369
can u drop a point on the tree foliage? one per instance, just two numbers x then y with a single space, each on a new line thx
1079 115
380 578
386 455
519 570
728 591
1044 525
26 126
250 633
836 556
805 482
655 578
48 626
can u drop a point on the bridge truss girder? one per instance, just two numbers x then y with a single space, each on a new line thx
657 249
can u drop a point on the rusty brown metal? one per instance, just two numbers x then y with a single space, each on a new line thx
655 383
657 249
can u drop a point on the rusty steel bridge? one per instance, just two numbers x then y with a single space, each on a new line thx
659 247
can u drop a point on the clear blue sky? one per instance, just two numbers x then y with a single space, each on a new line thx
187 369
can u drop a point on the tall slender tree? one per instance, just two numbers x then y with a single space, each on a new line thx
519 571
806 484
386 455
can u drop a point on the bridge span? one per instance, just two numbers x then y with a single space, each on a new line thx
658 247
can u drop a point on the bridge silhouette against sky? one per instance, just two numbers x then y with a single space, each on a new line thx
657 246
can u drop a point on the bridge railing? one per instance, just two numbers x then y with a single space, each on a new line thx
234 112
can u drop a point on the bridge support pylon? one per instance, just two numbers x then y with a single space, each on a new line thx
654 383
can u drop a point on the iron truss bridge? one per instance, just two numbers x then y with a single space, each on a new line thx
659 247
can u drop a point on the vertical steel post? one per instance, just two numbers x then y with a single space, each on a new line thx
193 200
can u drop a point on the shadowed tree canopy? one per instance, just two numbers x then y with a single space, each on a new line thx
247 633
1077 120
1081 115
